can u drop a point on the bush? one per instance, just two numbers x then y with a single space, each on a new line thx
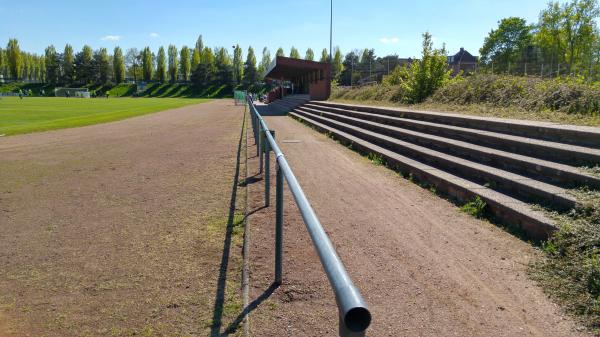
570 272
571 95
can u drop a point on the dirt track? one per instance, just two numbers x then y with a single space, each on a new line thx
424 268
118 229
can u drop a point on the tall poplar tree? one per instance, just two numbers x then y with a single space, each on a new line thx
265 62
52 65
199 45
195 59
102 66
147 65
238 64
294 53
224 68
250 74
2 62
173 63
161 65
68 61
15 63
118 65
337 66
310 55
185 63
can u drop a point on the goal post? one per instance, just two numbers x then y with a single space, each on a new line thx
72 92
240 97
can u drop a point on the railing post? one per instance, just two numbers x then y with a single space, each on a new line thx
258 138
261 147
268 170
279 227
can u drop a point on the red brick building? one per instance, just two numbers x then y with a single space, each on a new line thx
304 77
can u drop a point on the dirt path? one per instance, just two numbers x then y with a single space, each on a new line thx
424 268
123 228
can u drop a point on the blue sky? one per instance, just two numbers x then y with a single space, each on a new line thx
388 26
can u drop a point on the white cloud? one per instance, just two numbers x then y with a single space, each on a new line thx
111 38
154 35
389 40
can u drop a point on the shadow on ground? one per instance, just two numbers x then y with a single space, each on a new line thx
217 321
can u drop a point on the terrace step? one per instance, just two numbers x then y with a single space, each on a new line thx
518 186
560 133
552 151
289 102
547 171
534 224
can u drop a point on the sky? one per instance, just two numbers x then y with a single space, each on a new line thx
388 26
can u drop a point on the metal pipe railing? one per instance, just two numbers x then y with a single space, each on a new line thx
354 314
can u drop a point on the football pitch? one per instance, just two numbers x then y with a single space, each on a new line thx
33 114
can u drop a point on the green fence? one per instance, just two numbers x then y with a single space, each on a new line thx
240 97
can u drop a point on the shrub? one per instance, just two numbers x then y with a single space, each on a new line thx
475 208
571 95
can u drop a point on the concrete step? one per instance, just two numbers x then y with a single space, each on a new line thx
288 103
521 187
560 133
547 171
507 209
552 151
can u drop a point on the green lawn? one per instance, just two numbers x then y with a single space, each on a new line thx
33 114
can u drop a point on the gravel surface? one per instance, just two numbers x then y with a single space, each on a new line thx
118 229
424 268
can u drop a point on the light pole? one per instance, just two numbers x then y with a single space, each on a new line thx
331 32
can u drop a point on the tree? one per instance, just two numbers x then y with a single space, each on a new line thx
25 70
580 30
199 45
224 67
15 63
173 63
52 65
132 61
238 64
506 44
337 66
250 73
348 76
549 36
294 53
204 74
68 68
324 56
310 55
102 69
265 62
279 52
429 73
147 65
42 69
84 66
195 59
2 62
118 65
185 63
161 65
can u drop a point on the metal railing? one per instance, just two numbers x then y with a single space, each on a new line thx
354 315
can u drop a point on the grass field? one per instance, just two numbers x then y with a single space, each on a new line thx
34 114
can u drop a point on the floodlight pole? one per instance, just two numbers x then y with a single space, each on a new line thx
331 33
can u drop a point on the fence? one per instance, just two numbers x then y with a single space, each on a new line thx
354 316
239 97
